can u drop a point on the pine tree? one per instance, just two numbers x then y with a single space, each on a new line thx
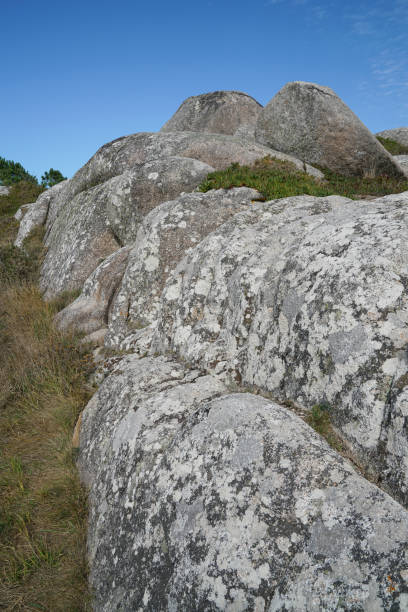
13 172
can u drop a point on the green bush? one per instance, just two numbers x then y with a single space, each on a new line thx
274 179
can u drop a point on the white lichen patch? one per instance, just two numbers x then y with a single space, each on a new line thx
308 294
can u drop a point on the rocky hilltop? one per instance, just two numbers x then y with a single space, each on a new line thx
230 321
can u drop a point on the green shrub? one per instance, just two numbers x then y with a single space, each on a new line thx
274 179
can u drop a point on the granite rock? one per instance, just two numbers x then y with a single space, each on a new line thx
219 112
90 311
35 215
204 500
99 220
403 161
164 236
397 134
306 298
312 123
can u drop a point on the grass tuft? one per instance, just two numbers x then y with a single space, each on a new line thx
319 419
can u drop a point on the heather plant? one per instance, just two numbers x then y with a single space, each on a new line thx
274 179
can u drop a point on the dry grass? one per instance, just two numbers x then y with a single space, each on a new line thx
43 388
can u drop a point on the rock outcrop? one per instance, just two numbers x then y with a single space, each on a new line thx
306 298
163 238
207 489
101 207
203 500
312 123
99 220
219 112
4 190
397 134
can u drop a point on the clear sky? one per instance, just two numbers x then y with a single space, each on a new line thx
77 74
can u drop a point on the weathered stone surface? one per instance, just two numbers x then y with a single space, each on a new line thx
201 502
98 221
219 112
311 122
79 240
4 190
397 134
246 132
56 200
147 186
90 311
403 161
306 298
22 211
35 215
163 238
100 208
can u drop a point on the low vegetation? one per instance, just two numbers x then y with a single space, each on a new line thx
20 193
319 419
274 179
43 388
393 147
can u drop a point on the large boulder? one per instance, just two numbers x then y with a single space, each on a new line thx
162 240
306 298
99 220
4 190
397 134
311 122
200 500
219 112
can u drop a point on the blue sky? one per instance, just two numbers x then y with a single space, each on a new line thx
78 74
